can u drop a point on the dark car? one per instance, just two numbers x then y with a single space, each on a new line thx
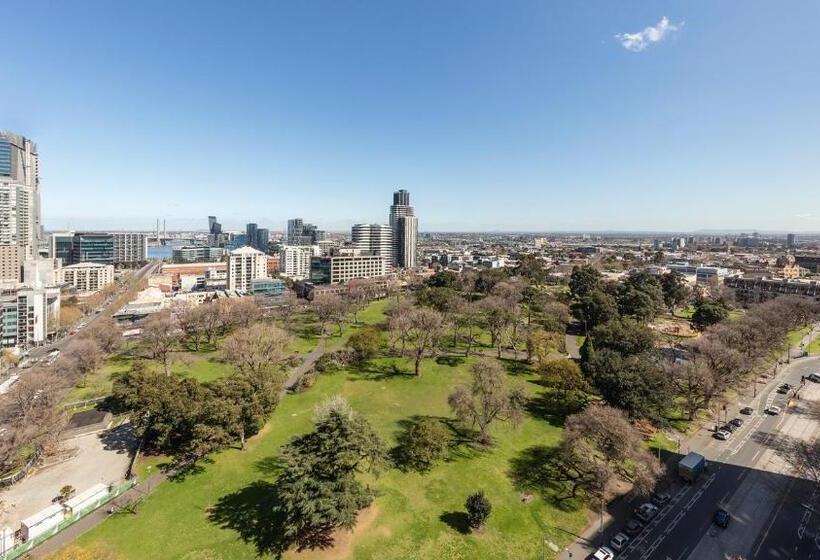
738 422
722 518
633 527
747 410
661 500
729 427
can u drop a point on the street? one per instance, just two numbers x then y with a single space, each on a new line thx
771 510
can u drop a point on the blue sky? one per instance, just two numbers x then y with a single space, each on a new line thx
525 115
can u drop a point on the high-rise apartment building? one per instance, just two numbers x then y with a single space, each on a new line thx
294 260
244 265
20 227
404 226
130 248
375 239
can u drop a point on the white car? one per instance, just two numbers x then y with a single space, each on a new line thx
773 410
604 553
723 434
619 542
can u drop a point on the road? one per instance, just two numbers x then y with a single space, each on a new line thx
107 310
750 479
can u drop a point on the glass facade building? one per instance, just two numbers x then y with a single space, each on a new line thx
92 247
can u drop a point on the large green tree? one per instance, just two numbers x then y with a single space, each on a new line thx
595 308
318 491
583 281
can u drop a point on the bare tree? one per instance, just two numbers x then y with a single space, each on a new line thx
244 311
159 336
105 332
420 330
694 382
600 446
328 308
85 357
257 348
487 399
32 416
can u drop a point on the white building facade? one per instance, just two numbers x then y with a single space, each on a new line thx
88 277
245 264
294 260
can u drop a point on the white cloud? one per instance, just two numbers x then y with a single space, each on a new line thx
637 42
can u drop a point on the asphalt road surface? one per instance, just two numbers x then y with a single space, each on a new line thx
773 513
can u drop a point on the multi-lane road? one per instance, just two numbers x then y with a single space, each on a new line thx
774 514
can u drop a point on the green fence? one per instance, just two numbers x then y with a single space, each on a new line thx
23 548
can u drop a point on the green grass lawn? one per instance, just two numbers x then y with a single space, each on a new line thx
416 516
794 337
814 347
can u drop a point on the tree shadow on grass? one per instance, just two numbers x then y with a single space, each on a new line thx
535 469
450 360
516 367
269 466
552 407
457 520
249 511
369 371
463 441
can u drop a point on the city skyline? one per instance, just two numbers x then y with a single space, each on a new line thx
544 118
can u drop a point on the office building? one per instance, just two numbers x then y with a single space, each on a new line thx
251 234
404 226
60 246
269 287
375 239
130 248
192 254
792 241
245 264
263 239
301 233
95 247
87 277
294 260
20 227
346 267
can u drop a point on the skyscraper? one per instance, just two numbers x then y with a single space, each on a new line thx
404 226
214 227
20 227
376 239
251 233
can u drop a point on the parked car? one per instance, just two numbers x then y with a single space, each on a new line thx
661 500
737 422
814 377
619 542
747 410
723 435
728 428
646 512
783 390
773 410
633 527
722 518
604 553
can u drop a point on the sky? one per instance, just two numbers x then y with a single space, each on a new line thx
504 115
